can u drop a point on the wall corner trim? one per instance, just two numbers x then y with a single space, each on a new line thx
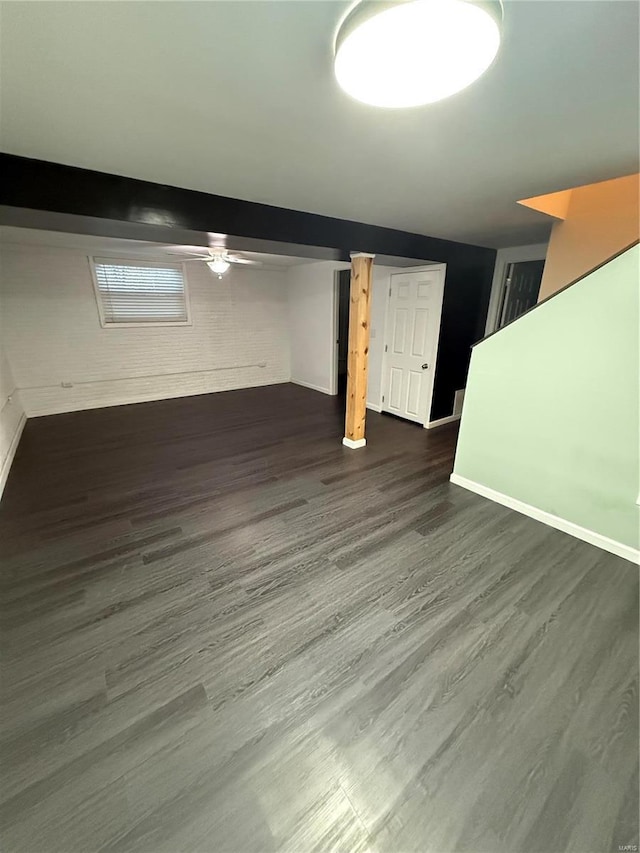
6 467
590 536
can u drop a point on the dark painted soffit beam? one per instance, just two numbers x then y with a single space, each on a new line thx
40 185
45 220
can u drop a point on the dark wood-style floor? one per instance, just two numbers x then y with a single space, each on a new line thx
222 631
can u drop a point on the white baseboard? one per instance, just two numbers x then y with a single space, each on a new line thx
313 387
6 467
442 421
590 536
354 445
374 407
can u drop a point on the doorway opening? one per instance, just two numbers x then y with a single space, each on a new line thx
520 290
343 286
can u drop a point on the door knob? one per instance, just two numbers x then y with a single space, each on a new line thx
425 366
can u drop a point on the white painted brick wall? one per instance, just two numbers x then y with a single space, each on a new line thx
52 334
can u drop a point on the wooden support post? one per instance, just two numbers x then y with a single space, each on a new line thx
358 358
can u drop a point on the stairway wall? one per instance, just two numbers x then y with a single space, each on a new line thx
550 416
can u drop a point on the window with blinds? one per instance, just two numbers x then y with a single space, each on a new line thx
140 293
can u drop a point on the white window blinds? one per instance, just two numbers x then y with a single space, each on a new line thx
140 292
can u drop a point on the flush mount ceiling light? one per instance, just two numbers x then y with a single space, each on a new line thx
412 52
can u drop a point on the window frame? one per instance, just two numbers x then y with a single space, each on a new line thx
145 262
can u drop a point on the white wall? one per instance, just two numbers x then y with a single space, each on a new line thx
12 418
312 323
52 334
313 331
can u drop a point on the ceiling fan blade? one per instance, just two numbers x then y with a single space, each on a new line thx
201 251
235 259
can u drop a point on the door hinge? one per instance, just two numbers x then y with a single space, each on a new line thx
389 291
386 347
383 398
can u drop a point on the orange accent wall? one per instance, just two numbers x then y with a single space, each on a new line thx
601 219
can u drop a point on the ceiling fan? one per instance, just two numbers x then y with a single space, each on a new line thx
217 259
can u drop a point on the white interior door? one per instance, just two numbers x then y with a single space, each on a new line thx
411 342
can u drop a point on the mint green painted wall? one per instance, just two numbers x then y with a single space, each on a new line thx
551 407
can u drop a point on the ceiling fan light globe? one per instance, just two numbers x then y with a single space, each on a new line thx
415 52
218 266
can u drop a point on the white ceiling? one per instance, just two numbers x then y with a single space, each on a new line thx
238 98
